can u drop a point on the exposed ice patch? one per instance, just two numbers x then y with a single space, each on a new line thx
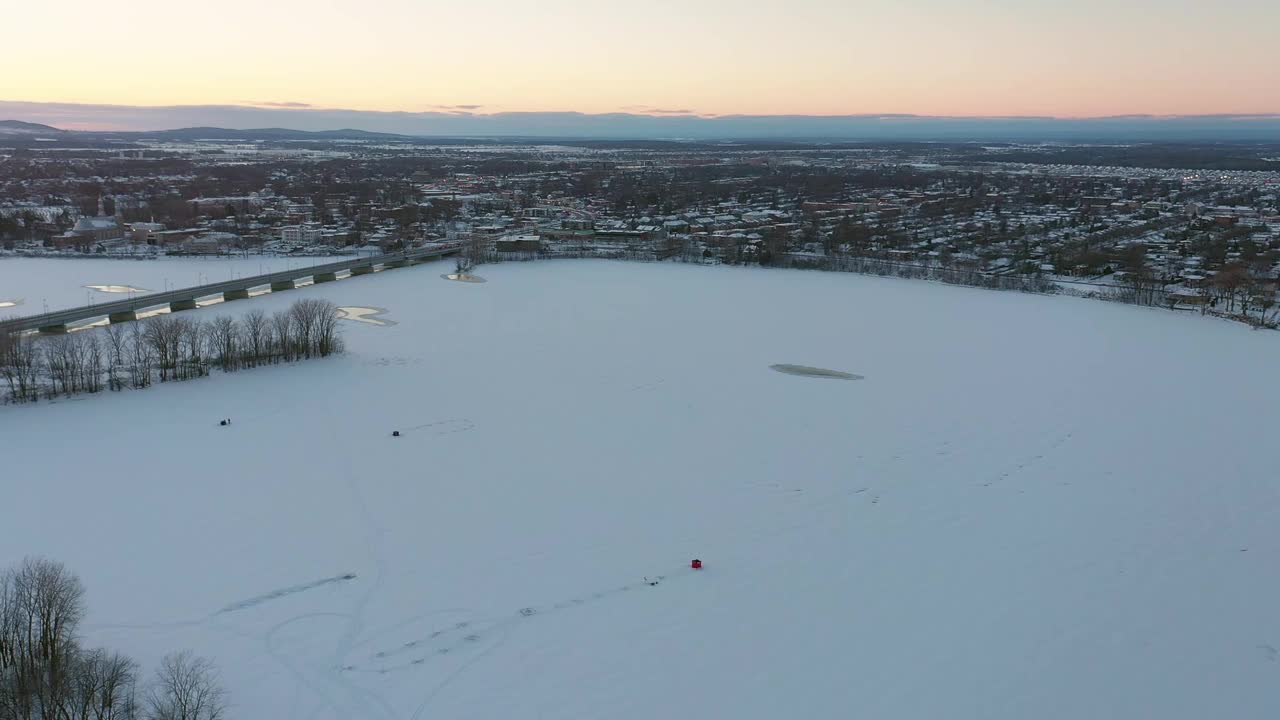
370 315
464 277
807 371
116 288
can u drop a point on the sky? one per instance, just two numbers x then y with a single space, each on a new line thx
1065 58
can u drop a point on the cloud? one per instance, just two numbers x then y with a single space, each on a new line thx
456 108
647 110
274 104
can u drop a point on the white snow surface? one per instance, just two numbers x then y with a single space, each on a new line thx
1031 507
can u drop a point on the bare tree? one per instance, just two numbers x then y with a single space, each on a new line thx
92 365
42 606
117 342
315 327
20 364
193 337
304 325
224 335
163 336
1265 300
139 356
186 688
1231 282
67 357
79 353
326 332
474 252
105 687
14 703
282 335
257 335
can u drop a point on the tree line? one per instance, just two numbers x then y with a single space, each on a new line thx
47 674
939 271
165 347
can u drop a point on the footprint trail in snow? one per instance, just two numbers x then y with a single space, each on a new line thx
465 635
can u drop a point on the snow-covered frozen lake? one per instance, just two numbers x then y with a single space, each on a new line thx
1028 507
31 284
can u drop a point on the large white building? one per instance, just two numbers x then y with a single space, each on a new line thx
303 234
98 229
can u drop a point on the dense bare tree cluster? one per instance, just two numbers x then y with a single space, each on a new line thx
950 273
45 673
1244 291
476 251
168 347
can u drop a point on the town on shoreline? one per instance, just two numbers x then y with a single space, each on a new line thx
1121 222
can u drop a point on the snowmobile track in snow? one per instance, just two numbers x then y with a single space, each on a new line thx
442 427
283 592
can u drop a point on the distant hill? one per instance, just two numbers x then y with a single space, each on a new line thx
18 127
210 122
210 133
629 126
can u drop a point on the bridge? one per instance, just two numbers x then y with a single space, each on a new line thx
237 289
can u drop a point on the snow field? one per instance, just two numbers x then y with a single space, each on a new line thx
1028 506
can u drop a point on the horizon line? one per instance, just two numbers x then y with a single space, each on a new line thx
638 122
462 111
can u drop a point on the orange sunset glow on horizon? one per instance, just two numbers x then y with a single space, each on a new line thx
812 57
